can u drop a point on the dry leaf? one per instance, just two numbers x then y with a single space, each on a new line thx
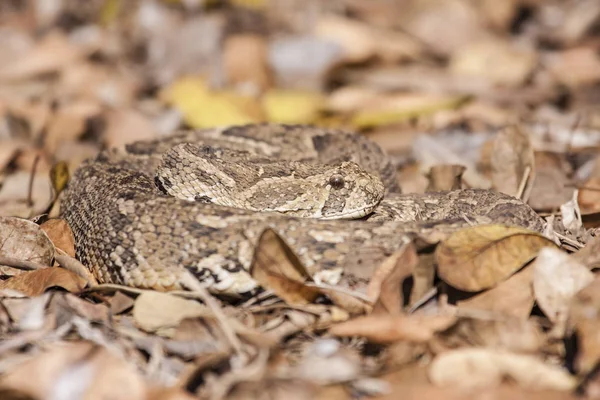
513 297
388 109
385 287
445 177
590 254
361 41
203 108
245 61
76 370
477 368
49 55
480 257
126 126
500 333
68 123
512 162
292 106
24 240
550 187
60 234
393 328
494 59
584 317
156 311
575 67
34 283
557 277
276 267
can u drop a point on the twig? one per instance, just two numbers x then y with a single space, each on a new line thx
342 290
424 299
569 241
523 183
189 281
69 263
112 287
20 264
31 177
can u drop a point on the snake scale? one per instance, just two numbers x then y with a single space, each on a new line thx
145 214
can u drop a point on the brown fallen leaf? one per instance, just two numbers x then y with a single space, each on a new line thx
512 162
276 267
99 374
393 328
60 234
496 60
385 287
584 318
161 312
514 297
557 278
245 61
445 177
550 188
52 53
477 368
480 257
590 254
126 126
513 334
34 283
24 240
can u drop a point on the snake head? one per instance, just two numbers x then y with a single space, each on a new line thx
350 192
339 191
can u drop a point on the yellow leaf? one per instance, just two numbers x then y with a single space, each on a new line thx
373 118
253 4
109 11
292 107
479 257
203 108
59 176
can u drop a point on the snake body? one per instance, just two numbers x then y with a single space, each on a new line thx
147 214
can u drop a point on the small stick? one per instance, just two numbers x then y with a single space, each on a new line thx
31 177
190 282
20 264
523 183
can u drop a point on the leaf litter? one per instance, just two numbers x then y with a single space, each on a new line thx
460 94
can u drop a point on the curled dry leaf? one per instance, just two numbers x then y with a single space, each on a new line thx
393 328
276 267
478 367
34 283
24 240
480 257
76 370
60 234
386 284
512 161
557 277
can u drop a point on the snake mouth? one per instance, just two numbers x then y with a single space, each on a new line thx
353 214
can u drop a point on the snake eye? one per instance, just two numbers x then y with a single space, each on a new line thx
336 181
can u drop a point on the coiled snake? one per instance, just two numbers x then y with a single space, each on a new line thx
144 214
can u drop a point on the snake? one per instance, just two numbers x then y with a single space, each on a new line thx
148 213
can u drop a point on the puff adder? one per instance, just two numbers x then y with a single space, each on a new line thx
198 201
